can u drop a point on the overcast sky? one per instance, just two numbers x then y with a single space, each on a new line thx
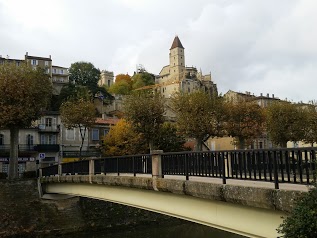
261 46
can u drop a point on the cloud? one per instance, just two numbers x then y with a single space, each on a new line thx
247 45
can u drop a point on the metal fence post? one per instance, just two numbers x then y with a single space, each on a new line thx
275 171
223 168
91 169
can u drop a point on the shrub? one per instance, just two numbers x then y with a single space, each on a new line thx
302 221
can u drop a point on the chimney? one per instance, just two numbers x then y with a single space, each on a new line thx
273 95
27 53
50 57
268 95
261 94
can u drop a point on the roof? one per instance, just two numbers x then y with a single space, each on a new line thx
176 43
111 121
38 58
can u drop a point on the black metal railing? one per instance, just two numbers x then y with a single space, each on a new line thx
79 167
84 153
278 166
135 164
271 165
51 170
22 147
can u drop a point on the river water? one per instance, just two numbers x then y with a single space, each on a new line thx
184 230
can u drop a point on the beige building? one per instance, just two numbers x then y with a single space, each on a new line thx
177 77
106 78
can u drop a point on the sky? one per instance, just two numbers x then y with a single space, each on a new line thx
259 46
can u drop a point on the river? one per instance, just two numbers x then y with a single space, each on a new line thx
184 230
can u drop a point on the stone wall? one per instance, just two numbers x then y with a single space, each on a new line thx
23 214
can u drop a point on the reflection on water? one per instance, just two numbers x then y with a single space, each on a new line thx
186 230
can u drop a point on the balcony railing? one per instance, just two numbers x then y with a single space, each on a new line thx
47 147
22 147
51 128
75 154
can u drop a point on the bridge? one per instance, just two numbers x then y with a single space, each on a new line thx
243 191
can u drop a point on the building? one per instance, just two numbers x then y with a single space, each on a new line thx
177 77
106 78
59 75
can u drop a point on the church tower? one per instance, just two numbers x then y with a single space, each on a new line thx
177 59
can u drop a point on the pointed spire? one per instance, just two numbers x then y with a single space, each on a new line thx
176 43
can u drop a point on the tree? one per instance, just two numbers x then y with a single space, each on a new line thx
140 80
24 94
285 122
83 74
79 113
168 139
302 222
124 77
199 115
311 126
145 111
245 121
122 88
122 139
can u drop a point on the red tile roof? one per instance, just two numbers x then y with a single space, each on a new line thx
111 121
177 43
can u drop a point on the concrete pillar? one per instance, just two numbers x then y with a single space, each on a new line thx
91 169
156 163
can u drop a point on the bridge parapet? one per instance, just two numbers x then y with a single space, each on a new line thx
268 198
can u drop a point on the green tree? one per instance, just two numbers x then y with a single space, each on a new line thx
145 111
245 121
79 112
140 80
199 115
285 122
24 94
168 139
122 139
302 222
311 126
121 87
83 74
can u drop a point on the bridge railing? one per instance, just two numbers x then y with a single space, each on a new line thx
277 165
296 165
135 164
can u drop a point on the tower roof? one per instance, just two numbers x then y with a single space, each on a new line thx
177 43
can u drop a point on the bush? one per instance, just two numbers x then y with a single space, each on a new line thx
29 174
302 221
3 175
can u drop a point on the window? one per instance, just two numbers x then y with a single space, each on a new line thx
62 71
70 134
29 139
48 122
33 62
47 70
48 139
54 70
1 139
260 145
108 83
105 131
18 63
95 134
46 63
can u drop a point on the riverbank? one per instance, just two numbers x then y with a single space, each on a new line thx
24 214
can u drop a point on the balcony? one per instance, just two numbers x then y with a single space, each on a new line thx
22 148
52 128
47 147
75 154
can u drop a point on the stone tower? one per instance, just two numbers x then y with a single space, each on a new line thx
177 59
